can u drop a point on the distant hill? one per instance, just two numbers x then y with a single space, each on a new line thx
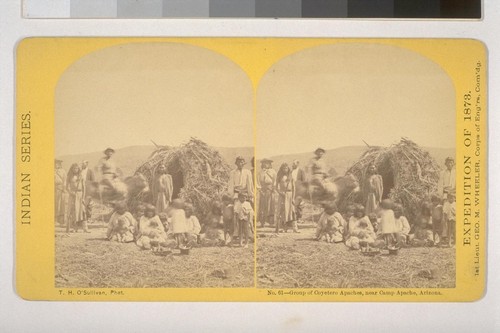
341 159
128 159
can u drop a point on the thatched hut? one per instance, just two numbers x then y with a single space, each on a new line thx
199 173
410 174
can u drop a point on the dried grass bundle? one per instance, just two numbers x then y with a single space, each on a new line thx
203 172
411 172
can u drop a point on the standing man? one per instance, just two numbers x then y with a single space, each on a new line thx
240 180
87 175
298 174
266 183
373 188
447 179
106 168
60 193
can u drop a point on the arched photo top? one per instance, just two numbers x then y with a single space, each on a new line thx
129 94
343 94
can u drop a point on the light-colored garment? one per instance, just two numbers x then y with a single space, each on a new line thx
116 225
243 210
266 182
402 226
178 222
150 229
387 222
450 210
193 225
447 182
333 225
240 181
60 195
107 168
286 191
162 190
75 187
374 188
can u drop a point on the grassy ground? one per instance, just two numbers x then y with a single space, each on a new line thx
89 260
297 261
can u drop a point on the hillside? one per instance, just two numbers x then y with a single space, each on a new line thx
129 158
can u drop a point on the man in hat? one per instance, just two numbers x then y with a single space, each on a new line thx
266 183
447 178
87 174
318 169
60 193
240 180
107 168
297 173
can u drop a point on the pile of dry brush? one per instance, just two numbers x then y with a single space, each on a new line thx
413 172
204 171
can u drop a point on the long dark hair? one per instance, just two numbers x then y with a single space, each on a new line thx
282 172
71 173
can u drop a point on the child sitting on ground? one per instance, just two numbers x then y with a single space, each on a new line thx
243 213
193 225
330 224
213 228
151 229
361 230
449 219
121 225
402 226
423 235
387 226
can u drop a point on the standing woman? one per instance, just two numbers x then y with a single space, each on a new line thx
374 187
286 192
75 185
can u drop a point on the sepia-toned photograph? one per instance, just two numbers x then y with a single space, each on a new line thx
153 171
355 177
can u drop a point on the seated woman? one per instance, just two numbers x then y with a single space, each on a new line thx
360 229
121 225
213 227
151 230
423 235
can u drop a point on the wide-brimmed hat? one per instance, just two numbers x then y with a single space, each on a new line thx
58 161
266 160
449 159
109 149
319 150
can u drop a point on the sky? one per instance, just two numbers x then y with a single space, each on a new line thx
339 95
130 94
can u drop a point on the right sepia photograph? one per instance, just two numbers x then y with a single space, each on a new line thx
355 170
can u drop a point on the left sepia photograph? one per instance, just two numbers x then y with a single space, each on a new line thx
153 170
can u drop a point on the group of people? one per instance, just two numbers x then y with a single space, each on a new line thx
382 222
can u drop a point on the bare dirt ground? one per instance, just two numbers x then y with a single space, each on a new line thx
89 260
298 261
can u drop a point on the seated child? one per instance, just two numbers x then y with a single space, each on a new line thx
151 229
449 219
387 226
243 213
178 223
121 225
361 230
349 217
402 226
423 235
213 227
330 225
436 218
193 225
